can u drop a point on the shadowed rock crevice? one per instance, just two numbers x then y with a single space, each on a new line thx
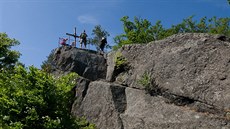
179 100
121 123
102 104
85 84
193 104
223 38
119 98
80 91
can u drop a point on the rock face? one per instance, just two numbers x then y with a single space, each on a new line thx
105 107
181 82
86 63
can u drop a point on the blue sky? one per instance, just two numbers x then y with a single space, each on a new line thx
38 24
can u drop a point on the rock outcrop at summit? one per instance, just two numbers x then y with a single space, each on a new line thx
87 63
181 82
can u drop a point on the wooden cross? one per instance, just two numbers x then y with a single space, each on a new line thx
74 35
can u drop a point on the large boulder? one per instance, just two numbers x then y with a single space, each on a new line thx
194 66
153 112
113 106
180 82
86 63
102 104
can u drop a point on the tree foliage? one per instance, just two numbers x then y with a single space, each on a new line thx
33 99
142 31
8 57
98 32
48 65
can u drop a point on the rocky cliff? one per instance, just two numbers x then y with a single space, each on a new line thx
181 82
87 63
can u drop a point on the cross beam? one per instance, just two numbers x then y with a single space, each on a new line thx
74 35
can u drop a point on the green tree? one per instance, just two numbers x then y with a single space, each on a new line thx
8 57
219 26
138 31
98 32
141 30
33 99
157 30
48 65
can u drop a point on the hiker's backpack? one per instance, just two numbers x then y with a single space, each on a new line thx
83 35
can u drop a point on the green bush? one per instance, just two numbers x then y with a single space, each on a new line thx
145 81
33 99
120 60
48 65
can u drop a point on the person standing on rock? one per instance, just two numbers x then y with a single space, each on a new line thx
103 43
63 41
83 39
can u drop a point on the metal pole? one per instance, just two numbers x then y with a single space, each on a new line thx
75 35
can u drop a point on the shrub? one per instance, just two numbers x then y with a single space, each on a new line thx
33 99
120 60
146 81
